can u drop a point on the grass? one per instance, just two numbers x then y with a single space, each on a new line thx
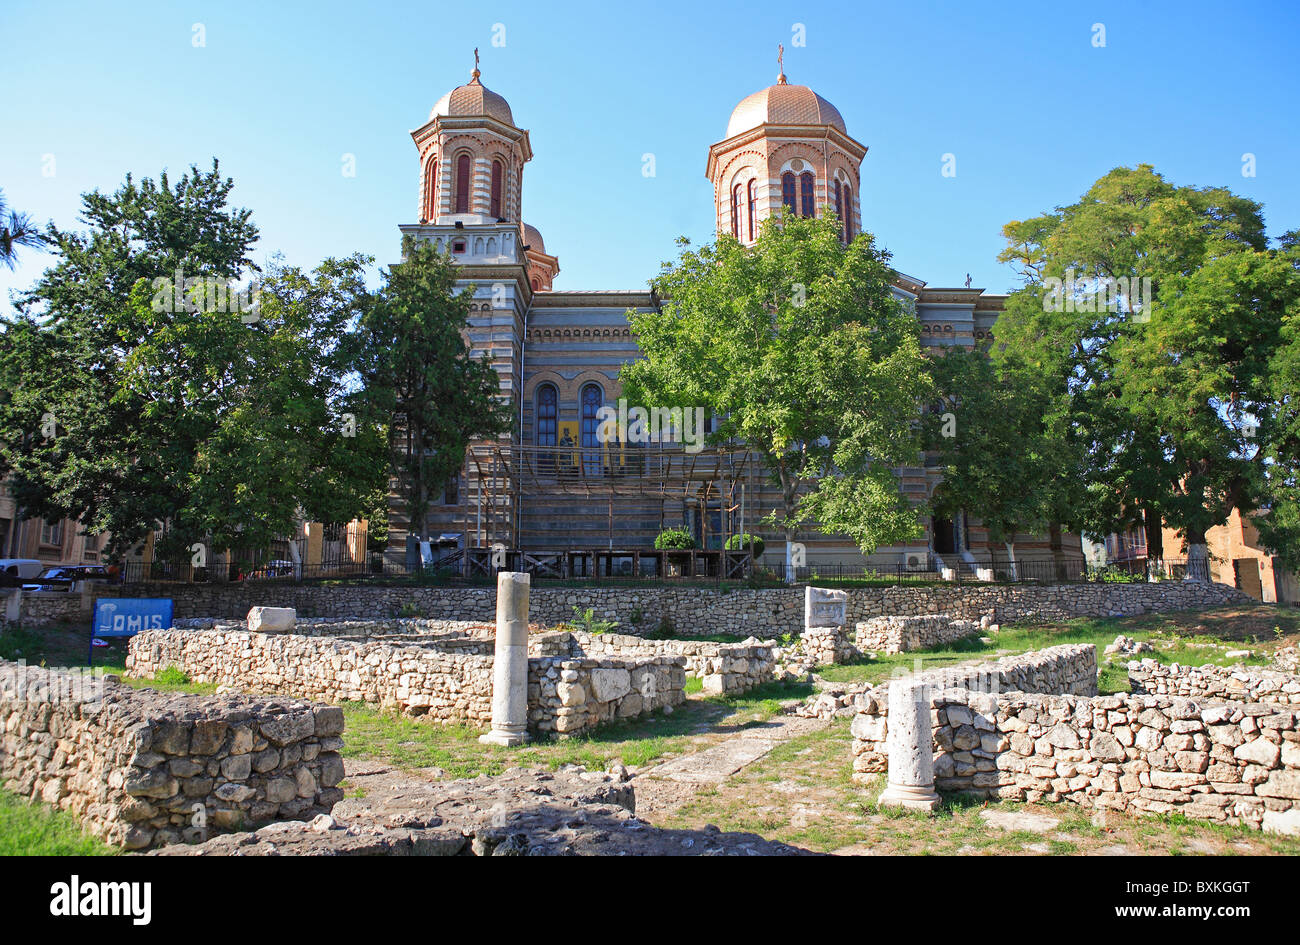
803 793
455 749
39 830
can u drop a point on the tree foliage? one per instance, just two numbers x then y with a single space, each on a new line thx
799 345
421 382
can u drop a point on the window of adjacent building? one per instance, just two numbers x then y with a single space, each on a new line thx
806 194
451 492
735 211
458 246
750 195
848 214
52 534
787 192
498 182
462 184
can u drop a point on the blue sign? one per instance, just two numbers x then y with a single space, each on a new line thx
127 616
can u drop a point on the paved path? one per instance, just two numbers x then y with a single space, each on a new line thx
714 765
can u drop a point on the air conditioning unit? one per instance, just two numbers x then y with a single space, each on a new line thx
913 561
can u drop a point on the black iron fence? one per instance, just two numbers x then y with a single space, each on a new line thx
478 566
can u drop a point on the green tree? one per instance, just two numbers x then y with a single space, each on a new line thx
801 348
140 390
1160 385
991 432
111 458
422 384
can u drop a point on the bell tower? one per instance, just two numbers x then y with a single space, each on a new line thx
785 146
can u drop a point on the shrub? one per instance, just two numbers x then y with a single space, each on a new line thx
674 539
586 620
742 543
172 676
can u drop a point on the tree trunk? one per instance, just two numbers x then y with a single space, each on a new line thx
1058 553
1153 527
1198 556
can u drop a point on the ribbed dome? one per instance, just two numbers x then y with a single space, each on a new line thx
473 100
533 238
784 104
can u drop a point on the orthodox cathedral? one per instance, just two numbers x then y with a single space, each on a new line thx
550 486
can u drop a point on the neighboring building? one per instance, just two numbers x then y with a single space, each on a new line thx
549 485
1238 558
60 543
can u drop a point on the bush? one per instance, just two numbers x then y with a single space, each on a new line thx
742 543
674 539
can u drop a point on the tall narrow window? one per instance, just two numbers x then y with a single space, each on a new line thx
431 191
787 192
750 196
848 214
547 417
806 194
593 398
462 184
735 211
498 182
839 205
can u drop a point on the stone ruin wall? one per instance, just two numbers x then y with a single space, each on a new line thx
427 669
1071 668
133 764
696 611
570 695
904 634
722 667
1220 683
1226 761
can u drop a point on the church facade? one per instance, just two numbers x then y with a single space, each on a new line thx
549 485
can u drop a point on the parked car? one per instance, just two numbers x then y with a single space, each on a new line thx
67 577
277 568
13 571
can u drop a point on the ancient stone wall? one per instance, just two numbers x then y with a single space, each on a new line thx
900 634
569 695
1227 762
1237 683
423 680
441 676
1071 668
140 768
690 611
722 667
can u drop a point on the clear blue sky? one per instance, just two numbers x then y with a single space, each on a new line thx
280 92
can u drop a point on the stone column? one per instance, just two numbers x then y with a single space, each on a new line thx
510 666
911 749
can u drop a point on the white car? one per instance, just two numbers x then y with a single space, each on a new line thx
14 571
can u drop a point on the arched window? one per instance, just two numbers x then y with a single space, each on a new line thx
547 424
498 182
750 190
787 192
593 398
735 211
839 203
462 184
431 190
806 194
848 214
